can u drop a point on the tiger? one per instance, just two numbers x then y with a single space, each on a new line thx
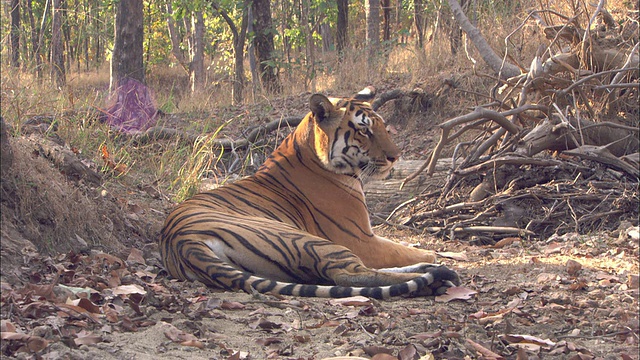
300 225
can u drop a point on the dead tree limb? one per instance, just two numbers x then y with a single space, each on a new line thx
504 69
602 155
163 133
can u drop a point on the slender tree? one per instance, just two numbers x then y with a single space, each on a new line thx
419 21
197 51
194 25
15 33
58 73
239 36
264 45
35 52
342 26
372 9
386 19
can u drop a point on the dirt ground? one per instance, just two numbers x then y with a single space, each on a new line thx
565 297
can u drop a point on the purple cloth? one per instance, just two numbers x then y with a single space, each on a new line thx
133 108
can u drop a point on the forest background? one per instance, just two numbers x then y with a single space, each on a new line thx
87 181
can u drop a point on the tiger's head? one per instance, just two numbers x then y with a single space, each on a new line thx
350 138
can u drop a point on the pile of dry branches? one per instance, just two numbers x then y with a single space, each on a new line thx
556 148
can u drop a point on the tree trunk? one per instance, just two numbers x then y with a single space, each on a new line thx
58 74
43 23
238 55
67 47
487 54
418 20
264 46
197 60
327 40
173 37
372 9
253 66
15 33
127 58
342 26
386 19
239 36
35 51
305 20
384 195
97 28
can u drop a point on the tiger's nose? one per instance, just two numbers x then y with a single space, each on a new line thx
392 159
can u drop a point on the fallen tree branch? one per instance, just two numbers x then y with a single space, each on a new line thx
512 160
602 155
504 69
163 133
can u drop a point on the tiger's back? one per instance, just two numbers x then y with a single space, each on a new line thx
300 225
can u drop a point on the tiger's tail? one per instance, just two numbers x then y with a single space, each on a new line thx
219 274
418 286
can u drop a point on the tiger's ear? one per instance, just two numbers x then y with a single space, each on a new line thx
321 107
367 94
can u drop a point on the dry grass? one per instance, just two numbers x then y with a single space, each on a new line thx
46 209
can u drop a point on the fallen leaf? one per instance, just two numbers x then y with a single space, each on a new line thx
239 355
546 278
85 338
109 259
129 289
514 338
408 353
6 326
85 304
456 293
193 343
146 275
176 335
43 291
31 342
302 338
504 242
136 257
579 285
75 311
553 248
232 305
351 301
573 267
